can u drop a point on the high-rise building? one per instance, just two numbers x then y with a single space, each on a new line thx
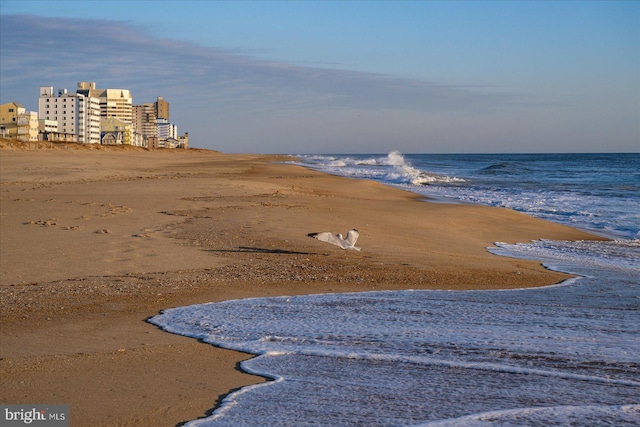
116 103
162 108
75 113
144 121
166 130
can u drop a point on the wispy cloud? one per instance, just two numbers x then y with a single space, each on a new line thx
119 53
208 86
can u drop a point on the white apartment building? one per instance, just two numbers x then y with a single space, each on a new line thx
166 130
75 113
47 126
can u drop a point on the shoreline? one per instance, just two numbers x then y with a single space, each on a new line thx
96 242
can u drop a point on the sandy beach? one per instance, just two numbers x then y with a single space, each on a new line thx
94 241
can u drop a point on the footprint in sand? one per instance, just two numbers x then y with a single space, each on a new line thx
43 222
114 210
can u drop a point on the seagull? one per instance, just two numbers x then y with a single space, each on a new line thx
337 239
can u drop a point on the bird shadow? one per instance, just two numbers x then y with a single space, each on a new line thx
249 249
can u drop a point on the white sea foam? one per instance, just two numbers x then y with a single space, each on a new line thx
619 254
392 169
393 358
618 415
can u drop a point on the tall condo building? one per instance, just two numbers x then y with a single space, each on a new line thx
144 120
75 113
113 102
162 108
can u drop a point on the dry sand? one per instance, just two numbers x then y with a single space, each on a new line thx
94 241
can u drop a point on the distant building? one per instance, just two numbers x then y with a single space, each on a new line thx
183 141
116 132
166 130
167 143
144 122
161 108
116 103
151 123
17 122
75 113
47 126
48 131
92 116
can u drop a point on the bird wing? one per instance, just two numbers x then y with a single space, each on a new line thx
352 236
328 237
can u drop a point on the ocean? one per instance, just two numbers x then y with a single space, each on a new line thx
561 355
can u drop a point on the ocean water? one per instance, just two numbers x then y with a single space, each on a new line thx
562 355
596 192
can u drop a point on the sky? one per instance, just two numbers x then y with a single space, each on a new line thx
298 77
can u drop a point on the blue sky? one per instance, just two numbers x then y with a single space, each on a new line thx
347 76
